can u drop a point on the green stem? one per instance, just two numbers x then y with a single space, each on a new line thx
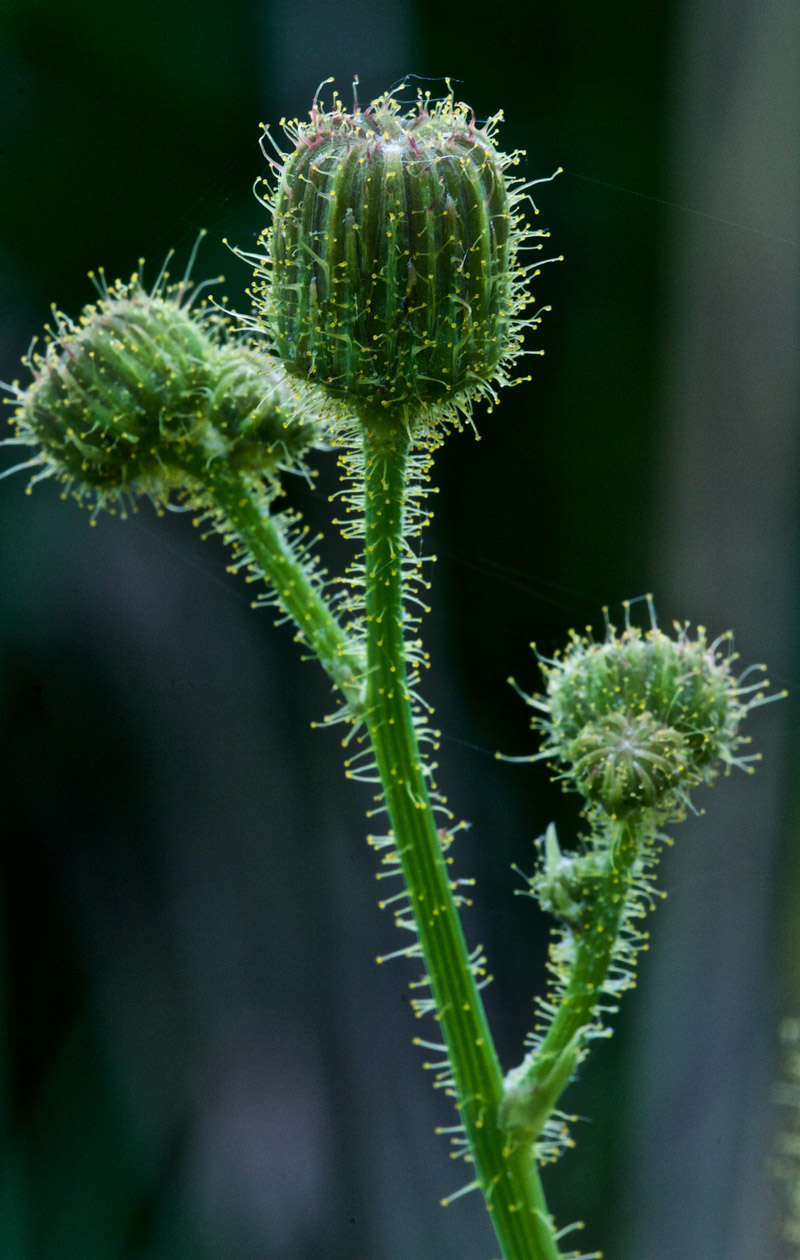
596 945
246 511
509 1179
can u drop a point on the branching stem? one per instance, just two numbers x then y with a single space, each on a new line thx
509 1179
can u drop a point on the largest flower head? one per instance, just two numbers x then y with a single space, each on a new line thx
391 272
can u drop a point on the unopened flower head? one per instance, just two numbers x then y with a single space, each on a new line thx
637 721
391 274
125 400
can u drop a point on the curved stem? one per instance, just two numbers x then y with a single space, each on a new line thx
508 1178
596 946
268 541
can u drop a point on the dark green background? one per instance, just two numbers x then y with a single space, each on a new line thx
199 1055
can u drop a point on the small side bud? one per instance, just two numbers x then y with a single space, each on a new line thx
253 408
564 881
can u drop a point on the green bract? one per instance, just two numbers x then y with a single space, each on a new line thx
143 389
391 274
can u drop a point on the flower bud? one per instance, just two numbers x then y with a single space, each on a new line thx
253 409
391 275
637 721
143 389
565 880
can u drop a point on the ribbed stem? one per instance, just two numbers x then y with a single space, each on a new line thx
509 1179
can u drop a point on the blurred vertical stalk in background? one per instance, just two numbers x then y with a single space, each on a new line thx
715 986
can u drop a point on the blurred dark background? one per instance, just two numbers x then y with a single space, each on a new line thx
198 1055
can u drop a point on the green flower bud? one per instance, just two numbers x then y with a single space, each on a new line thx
565 880
634 723
144 390
391 275
254 410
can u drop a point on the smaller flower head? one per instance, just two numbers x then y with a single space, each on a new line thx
144 390
637 721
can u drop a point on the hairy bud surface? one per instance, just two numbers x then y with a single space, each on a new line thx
144 387
391 274
637 721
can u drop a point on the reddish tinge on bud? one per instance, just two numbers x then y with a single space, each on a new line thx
391 273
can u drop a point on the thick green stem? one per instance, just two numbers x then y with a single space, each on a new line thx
509 1179
247 513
